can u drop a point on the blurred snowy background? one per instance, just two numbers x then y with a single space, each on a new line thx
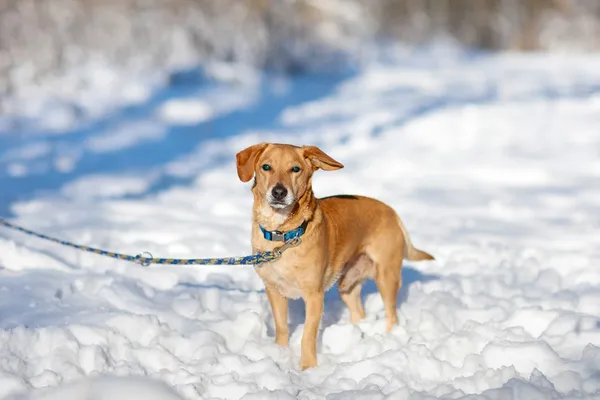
85 67
42 41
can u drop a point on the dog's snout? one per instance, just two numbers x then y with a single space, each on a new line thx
279 192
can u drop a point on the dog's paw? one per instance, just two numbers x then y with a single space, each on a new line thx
305 364
282 340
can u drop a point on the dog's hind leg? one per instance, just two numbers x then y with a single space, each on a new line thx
350 284
388 266
354 303
388 282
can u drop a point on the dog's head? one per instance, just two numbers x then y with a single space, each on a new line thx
282 172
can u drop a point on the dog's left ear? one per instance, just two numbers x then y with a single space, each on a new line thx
246 159
321 160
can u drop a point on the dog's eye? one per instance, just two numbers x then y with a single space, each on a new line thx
296 169
266 167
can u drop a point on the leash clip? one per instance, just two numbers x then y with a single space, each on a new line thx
144 259
290 243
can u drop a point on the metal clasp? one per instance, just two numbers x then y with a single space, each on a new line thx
290 243
145 255
278 236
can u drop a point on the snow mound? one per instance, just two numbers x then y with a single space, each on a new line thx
105 388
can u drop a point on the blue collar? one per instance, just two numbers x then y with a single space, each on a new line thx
284 237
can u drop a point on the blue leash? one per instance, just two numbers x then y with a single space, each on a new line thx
254 259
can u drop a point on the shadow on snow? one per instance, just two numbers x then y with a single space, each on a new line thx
178 141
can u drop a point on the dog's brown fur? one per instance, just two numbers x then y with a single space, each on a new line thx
348 239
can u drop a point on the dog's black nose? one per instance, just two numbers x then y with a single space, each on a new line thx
279 192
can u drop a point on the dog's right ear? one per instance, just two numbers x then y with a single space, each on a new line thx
246 159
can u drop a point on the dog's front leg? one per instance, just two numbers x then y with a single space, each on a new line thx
279 307
314 312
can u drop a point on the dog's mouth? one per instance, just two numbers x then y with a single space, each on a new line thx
280 204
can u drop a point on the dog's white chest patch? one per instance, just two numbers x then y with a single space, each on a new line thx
277 275
277 217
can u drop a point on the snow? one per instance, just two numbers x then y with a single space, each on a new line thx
106 388
492 162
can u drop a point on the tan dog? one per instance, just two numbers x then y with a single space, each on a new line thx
343 238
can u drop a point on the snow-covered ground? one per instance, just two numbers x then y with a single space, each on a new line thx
492 161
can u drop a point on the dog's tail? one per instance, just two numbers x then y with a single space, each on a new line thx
412 253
